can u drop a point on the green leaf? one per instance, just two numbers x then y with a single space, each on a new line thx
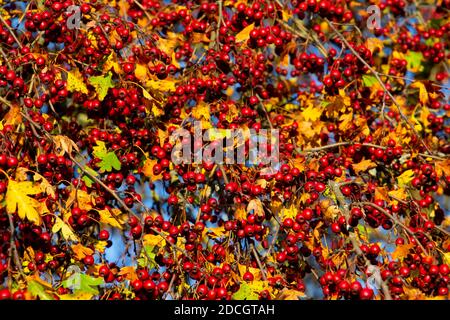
250 291
147 258
37 290
369 80
109 160
87 179
102 85
82 282
414 60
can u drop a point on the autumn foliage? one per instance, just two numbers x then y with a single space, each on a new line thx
93 207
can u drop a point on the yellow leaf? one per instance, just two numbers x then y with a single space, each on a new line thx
217 232
75 82
423 93
401 251
256 206
347 119
81 198
64 145
255 271
17 197
168 45
162 135
447 258
81 251
312 113
240 213
174 61
154 240
373 43
107 218
405 178
45 185
161 85
147 169
141 72
290 294
201 111
442 168
111 63
65 229
398 194
290 212
381 194
363 166
244 34
77 295
100 246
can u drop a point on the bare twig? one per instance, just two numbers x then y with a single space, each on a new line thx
255 254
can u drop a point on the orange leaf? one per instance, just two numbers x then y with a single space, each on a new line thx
363 165
245 33
81 251
129 273
402 251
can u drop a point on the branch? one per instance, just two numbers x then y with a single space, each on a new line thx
255 254
377 76
397 221
340 199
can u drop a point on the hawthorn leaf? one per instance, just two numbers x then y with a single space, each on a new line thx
374 43
147 257
37 290
312 113
64 145
102 84
250 291
147 169
13 116
100 151
369 80
17 197
111 63
65 229
423 93
363 165
401 251
154 240
244 34
129 273
405 178
109 162
83 283
290 294
414 60
107 218
141 72
87 178
255 205
77 295
75 82
81 251
161 85
100 246
240 213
